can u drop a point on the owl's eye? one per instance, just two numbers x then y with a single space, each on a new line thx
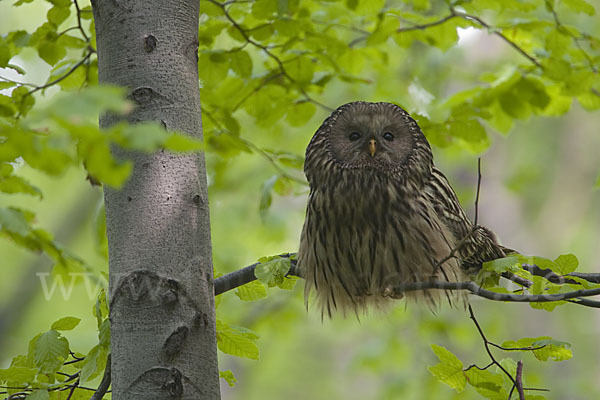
354 136
388 136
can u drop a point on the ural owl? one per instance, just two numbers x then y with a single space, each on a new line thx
380 214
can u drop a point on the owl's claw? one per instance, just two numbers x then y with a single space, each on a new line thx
391 293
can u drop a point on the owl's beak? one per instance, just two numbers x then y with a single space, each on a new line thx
372 146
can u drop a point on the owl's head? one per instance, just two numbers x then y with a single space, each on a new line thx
380 137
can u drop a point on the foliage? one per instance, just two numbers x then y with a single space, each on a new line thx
51 367
269 68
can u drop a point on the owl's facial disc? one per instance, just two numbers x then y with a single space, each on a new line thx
371 135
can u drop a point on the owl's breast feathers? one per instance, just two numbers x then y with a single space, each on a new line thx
365 235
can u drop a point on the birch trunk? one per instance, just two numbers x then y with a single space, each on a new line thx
161 283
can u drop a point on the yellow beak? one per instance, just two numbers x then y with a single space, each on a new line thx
372 146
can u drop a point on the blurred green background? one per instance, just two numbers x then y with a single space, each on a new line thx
537 194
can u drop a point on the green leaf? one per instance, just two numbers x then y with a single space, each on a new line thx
144 136
500 265
6 85
22 99
566 263
580 6
65 324
87 104
300 113
237 341
251 291
57 15
557 43
554 349
288 283
51 350
301 69
539 261
265 194
16 184
51 51
104 334
514 105
550 348
241 63
264 9
5 170
525 342
94 363
41 394
100 310
182 143
18 374
386 27
228 376
589 100
472 132
101 239
484 379
14 220
449 370
272 270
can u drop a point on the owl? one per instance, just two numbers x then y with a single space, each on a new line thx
380 214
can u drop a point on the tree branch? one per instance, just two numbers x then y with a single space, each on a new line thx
519 380
245 275
105 383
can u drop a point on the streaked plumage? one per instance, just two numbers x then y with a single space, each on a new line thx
379 213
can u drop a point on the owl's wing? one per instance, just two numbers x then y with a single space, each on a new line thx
481 244
447 206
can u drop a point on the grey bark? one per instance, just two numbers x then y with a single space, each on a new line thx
161 283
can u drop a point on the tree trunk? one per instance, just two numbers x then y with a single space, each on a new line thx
161 282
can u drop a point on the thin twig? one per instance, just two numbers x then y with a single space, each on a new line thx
73 387
486 345
477 193
478 367
57 80
528 348
87 39
453 14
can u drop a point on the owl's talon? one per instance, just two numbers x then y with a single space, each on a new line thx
391 293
